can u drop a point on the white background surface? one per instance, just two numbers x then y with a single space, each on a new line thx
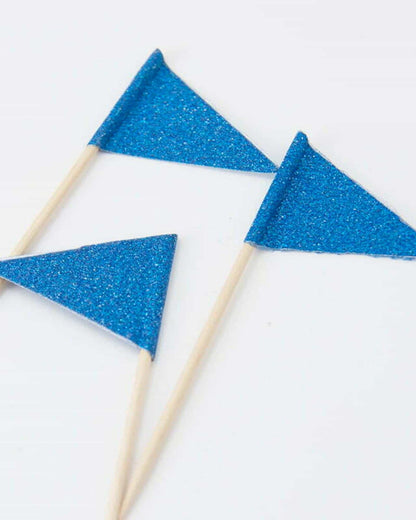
305 407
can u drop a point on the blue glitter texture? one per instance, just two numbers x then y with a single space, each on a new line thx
119 285
160 117
313 206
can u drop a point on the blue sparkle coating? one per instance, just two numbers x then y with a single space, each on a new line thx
119 285
313 206
160 117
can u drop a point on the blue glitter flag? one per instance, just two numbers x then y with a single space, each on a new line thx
313 206
119 285
160 117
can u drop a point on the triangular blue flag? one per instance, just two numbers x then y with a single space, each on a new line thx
160 117
119 285
313 206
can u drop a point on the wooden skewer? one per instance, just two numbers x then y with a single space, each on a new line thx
153 448
123 466
144 357
62 190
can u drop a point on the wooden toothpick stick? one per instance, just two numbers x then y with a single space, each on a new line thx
40 221
153 448
125 456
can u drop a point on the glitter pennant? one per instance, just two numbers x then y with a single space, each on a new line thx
313 206
119 285
160 117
